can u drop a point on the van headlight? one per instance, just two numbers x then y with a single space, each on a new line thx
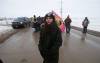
21 22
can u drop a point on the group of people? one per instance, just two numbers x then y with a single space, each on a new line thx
51 39
37 23
68 21
50 36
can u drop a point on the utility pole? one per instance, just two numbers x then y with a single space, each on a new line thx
61 9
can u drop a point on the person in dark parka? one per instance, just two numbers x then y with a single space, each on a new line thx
50 40
67 24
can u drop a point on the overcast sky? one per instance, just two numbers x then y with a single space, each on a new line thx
76 8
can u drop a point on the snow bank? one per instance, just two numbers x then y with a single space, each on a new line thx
5 32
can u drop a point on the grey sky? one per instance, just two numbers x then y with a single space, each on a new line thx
76 8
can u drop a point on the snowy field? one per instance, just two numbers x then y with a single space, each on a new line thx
93 25
6 22
5 25
4 29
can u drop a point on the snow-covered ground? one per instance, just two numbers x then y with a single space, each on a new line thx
3 29
5 32
93 25
4 25
6 22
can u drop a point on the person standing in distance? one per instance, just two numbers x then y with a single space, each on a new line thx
85 24
67 24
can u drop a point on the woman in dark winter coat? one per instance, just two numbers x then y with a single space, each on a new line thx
50 40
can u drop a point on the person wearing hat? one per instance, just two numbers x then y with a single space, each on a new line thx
68 24
50 40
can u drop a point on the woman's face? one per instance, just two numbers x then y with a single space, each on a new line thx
49 20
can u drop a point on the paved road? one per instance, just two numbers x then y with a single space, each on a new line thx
77 48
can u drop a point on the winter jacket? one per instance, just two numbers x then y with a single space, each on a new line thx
67 21
85 22
50 40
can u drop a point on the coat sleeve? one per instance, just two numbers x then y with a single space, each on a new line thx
58 41
41 38
59 38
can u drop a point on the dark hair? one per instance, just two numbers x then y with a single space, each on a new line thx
49 15
53 25
1 61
